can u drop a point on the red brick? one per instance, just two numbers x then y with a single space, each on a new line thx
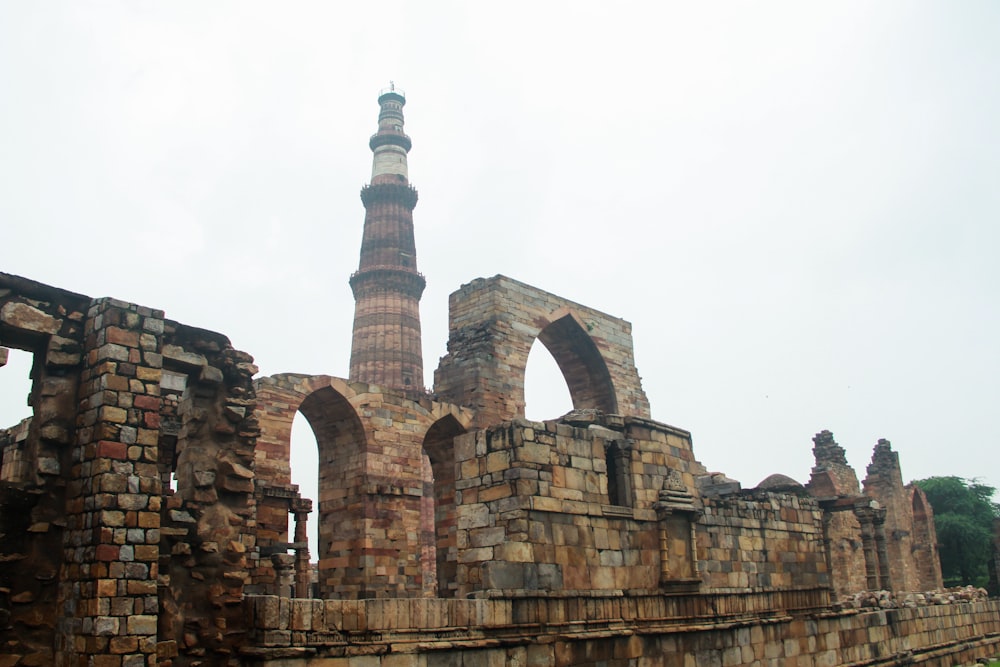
112 450
107 552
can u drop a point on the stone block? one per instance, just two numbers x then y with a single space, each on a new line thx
503 575
22 316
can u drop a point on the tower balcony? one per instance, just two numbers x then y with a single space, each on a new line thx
375 279
390 193
390 139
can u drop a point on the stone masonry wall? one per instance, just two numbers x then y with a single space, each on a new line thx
762 541
609 633
534 513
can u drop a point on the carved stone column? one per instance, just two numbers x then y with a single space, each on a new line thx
283 573
866 517
301 507
881 551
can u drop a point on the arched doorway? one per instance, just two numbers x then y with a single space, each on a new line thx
340 441
438 525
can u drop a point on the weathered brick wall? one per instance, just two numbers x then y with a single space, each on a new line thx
492 325
108 593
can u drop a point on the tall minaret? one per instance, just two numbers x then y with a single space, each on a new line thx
387 287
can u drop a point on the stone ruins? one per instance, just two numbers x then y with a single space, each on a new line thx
148 515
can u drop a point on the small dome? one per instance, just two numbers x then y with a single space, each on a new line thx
779 482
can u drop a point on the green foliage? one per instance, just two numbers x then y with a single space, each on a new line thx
963 517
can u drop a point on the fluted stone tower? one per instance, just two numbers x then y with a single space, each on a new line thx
387 286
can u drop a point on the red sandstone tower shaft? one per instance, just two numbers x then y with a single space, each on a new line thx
387 286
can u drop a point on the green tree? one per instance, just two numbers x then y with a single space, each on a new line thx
963 517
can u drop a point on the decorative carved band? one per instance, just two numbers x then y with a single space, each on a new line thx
389 192
387 279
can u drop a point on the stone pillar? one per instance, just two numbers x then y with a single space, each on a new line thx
828 543
885 578
664 553
303 571
866 518
284 570
108 594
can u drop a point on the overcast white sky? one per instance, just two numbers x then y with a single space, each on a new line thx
795 204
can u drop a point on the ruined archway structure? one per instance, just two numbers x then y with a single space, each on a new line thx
493 324
373 483
146 503
144 507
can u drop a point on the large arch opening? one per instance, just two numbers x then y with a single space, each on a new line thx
546 395
438 524
581 365
340 441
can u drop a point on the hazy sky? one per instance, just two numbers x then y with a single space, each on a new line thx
795 204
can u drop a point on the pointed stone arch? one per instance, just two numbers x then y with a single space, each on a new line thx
341 442
493 324
580 361
373 473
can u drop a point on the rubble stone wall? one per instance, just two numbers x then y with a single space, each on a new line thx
37 455
207 524
93 534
